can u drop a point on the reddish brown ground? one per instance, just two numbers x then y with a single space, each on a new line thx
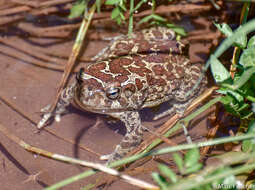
30 88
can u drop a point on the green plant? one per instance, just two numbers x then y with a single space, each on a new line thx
121 7
189 164
238 97
78 8
168 179
238 91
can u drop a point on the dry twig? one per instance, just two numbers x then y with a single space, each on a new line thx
74 54
24 57
97 166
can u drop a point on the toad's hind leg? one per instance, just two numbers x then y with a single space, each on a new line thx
132 137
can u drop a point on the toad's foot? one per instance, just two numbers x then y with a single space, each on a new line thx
48 115
118 153
65 99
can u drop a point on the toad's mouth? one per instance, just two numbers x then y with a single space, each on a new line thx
99 110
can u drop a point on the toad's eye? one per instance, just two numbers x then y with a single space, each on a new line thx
113 93
79 75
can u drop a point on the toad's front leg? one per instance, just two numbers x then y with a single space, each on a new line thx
65 99
132 137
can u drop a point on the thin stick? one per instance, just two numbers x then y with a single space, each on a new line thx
55 2
57 56
131 18
237 50
163 9
23 56
14 10
75 52
166 140
157 152
97 166
26 48
166 9
43 32
46 10
34 4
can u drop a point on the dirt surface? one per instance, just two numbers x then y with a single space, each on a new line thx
30 88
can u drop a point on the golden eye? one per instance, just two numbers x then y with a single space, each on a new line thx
113 93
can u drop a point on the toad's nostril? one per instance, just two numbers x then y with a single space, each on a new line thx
79 75
90 88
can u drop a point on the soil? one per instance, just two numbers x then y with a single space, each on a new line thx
30 88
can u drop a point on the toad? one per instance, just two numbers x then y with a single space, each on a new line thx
142 71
